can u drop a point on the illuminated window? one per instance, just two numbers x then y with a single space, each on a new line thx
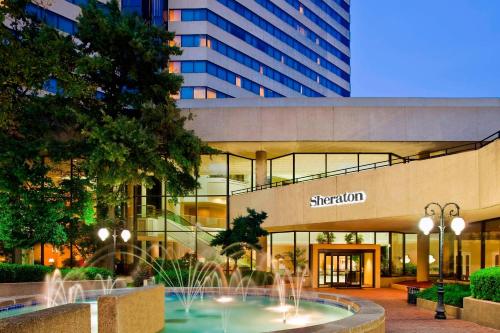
211 94
174 15
301 9
203 41
199 93
238 81
261 91
174 67
176 96
175 41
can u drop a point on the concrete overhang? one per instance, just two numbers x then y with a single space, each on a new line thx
403 126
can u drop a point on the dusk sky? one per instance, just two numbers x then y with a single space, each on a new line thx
425 48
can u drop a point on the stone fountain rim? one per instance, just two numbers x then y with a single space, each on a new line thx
368 316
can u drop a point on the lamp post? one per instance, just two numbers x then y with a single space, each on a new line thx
426 224
104 233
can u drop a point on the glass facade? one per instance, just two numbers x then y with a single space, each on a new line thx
203 14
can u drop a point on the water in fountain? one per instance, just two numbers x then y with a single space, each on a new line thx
240 283
57 294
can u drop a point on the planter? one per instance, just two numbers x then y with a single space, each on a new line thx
485 313
450 310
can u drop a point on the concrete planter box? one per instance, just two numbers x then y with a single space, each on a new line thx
69 318
486 313
137 310
450 310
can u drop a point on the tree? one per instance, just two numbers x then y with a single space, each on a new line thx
325 237
351 238
133 129
111 109
244 235
31 126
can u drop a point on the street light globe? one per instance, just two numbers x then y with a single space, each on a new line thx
103 234
426 224
126 235
458 224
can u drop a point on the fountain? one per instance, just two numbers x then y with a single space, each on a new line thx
57 293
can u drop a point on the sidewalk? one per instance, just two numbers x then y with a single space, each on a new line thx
405 318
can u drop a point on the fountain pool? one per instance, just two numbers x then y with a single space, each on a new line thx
256 314
214 313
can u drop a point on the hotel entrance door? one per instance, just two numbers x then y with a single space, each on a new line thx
341 269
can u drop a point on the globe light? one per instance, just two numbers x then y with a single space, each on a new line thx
458 224
426 224
125 235
103 234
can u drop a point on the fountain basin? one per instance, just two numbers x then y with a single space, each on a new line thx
223 310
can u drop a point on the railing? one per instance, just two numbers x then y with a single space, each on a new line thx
152 212
393 160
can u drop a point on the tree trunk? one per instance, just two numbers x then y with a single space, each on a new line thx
42 254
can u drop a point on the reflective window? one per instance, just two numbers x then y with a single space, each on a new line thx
302 251
213 175
240 173
212 213
283 252
366 161
492 243
397 253
382 239
410 258
309 164
341 161
366 238
434 254
282 168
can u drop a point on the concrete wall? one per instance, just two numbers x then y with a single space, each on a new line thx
69 318
395 195
484 313
343 119
139 310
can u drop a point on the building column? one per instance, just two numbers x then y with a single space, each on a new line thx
260 167
261 179
423 245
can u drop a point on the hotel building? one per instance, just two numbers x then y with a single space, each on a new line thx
285 48
375 162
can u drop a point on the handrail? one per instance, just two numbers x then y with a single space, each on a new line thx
181 221
370 166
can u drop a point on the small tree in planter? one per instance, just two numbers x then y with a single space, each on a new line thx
244 235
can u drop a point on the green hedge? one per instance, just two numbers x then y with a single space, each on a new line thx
23 273
485 284
86 273
453 294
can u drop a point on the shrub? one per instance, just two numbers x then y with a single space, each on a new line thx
172 278
261 278
86 273
453 294
142 272
23 273
485 284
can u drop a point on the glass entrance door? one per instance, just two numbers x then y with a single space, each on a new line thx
340 269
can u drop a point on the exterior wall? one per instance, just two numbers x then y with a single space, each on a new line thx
482 312
402 120
317 247
396 195
141 310
69 318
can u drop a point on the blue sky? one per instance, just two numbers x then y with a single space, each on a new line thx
425 48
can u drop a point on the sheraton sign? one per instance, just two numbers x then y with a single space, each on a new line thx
347 198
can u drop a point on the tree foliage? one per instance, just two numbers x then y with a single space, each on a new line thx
243 235
111 110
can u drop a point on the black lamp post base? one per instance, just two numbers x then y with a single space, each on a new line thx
440 315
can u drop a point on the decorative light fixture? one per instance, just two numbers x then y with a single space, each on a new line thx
103 234
426 224
458 225
431 259
125 234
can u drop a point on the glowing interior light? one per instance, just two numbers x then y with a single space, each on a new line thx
458 224
103 233
126 235
406 258
426 224
431 259
224 299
